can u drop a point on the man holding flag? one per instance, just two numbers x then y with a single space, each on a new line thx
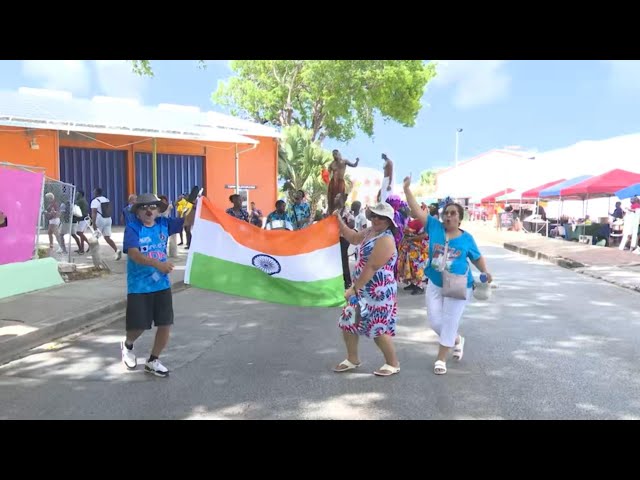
149 299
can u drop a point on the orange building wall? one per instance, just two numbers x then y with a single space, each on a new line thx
15 148
258 166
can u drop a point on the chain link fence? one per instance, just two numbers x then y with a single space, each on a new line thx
57 222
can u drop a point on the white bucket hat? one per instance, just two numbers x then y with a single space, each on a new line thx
383 209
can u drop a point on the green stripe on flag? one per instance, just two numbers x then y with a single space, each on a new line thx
213 273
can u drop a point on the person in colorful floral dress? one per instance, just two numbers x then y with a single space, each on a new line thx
374 290
412 257
401 216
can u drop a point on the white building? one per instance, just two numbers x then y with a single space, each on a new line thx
488 173
500 169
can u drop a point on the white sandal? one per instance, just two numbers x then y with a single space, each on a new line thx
440 367
386 370
458 350
346 363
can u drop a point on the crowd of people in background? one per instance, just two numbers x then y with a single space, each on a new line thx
62 218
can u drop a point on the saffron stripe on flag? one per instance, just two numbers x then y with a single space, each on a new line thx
273 242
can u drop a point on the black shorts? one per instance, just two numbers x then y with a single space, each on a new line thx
147 309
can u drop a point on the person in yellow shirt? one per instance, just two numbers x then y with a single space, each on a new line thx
183 207
499 209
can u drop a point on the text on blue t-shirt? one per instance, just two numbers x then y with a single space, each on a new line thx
152 242
459 250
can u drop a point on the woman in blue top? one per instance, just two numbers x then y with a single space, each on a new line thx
445 313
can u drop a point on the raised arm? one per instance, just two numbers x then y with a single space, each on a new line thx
416 211
351 164
353 237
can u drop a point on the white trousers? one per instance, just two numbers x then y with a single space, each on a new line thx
630 228
384 193
444 313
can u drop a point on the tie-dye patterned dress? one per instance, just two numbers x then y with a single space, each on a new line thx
377 304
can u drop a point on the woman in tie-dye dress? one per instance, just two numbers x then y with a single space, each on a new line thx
375 289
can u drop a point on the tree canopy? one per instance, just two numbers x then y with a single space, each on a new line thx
332 98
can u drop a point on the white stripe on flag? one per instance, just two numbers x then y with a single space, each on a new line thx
212 240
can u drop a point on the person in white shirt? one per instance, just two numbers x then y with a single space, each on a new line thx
359 215
101 211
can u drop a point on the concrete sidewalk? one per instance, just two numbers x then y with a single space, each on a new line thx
29 320
621 268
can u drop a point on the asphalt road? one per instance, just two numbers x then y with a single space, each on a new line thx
549 344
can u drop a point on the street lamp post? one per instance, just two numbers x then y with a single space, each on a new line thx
458 131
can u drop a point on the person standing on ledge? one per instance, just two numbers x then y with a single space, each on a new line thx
387 182
337 169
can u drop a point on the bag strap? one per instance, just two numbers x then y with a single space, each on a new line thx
446 251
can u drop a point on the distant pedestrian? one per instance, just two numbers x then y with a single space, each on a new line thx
101 211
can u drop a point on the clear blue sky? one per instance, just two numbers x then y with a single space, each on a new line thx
538 105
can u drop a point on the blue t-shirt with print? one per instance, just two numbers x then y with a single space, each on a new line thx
152 242
460 249
299 212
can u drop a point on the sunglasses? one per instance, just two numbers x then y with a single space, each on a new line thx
149 207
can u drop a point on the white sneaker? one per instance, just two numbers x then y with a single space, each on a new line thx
128 357
156 368
118 254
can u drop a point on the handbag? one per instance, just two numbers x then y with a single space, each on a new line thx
453 284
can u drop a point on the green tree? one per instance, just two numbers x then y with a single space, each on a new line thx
332 98
428 178
300 164
143 67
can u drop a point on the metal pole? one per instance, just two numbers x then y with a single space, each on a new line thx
237 171
458 131
456 160
154 165
38 226
72 202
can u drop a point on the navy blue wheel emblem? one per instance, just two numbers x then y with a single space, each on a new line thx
267 264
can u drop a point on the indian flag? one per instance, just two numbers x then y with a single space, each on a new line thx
296 268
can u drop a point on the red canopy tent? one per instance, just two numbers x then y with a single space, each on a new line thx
492 198
535 192
604 185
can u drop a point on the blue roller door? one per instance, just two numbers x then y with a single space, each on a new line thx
89 168
176 174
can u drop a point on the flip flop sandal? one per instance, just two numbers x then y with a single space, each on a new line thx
386 370
440 367
348 366
458 350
